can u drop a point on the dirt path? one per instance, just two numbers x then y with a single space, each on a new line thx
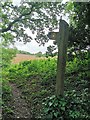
20 106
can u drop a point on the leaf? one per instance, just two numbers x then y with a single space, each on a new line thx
50 103
56 114
70 6
63 108
46 110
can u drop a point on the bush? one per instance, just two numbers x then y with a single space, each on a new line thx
6 98
68 107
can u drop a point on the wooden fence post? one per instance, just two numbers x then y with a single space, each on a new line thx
62 40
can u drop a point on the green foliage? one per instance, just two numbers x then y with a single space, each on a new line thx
68 107
33 68
78 63
79 26
39 54
32 78
7 55
15 19
23 52
70 6
6 98
6 90
36 80
50 51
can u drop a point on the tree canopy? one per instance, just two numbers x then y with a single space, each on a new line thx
40 17
33 15
79 15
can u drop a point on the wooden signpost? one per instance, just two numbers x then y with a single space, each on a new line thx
61 38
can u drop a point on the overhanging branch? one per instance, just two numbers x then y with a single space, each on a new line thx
16 20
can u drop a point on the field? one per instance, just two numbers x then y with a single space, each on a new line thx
22 57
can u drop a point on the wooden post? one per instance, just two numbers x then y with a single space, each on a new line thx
62 40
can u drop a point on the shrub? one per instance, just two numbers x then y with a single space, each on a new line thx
68 107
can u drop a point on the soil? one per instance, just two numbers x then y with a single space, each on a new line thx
24 57
20 106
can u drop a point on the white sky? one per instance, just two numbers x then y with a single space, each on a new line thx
33 46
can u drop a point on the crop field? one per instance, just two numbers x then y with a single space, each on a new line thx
22 57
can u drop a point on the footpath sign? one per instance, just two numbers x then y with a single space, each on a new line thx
61 38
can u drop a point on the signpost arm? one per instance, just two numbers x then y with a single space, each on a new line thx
62 40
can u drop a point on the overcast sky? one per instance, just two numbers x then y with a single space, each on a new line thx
32 47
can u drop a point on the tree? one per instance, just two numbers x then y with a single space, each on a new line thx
79 13
38 16
50 51
35 16
39 54
7 55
